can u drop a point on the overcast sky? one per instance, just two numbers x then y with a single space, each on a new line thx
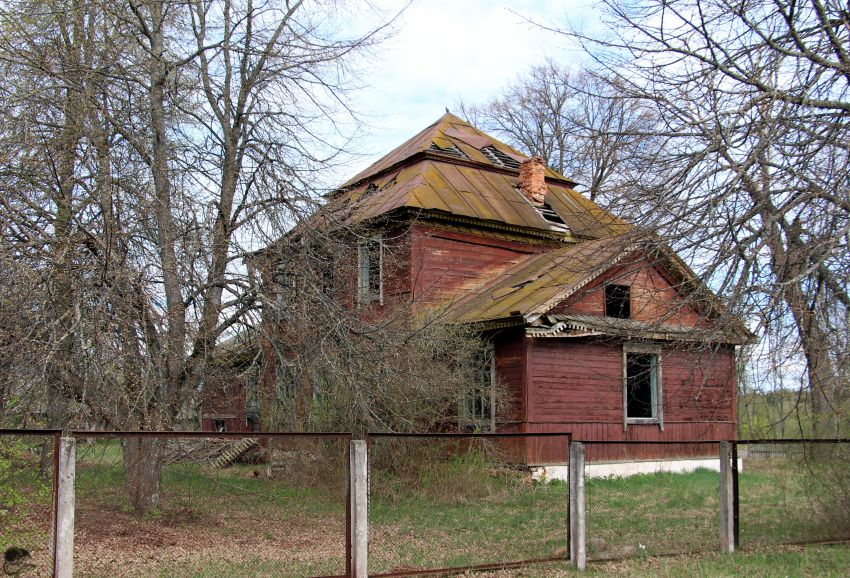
445 51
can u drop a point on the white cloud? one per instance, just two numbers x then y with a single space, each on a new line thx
450 50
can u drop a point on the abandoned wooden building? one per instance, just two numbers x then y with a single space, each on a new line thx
589 327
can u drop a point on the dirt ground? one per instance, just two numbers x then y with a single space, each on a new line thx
109 543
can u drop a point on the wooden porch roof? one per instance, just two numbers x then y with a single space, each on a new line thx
534 286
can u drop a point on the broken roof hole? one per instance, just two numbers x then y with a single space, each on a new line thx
554 219
449 150
499 158
390 182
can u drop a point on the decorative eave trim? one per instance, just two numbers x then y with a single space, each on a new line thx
490 324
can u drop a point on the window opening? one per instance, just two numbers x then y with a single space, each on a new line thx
370 257
285 380
477 407
220 425
555 221
641 385
618 301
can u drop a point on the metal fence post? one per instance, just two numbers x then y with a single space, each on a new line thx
64 530
727 522
578 554
358 470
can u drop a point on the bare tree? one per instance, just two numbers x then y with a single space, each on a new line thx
166 137
581 123
753 99
331 364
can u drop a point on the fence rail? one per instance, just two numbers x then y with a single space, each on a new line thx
427 503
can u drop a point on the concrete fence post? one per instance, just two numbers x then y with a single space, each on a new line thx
727 521
578 554
64 531
359 472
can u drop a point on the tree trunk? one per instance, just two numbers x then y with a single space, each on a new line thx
143 461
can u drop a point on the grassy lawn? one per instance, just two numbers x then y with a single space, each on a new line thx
649 514
820 561
427 511
25 497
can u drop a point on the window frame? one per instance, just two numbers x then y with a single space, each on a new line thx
658 418
364 295
484 423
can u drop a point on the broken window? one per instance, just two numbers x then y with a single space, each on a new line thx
477 406
370 257
642 386
618 301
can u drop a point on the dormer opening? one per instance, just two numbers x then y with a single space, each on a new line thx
451 150
554 219
499 158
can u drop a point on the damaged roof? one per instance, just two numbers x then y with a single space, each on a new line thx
452 169
538 283
453 137
526 293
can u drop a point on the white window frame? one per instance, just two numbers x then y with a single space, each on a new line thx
658 402
364 296
486 424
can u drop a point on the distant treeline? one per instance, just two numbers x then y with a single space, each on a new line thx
780 414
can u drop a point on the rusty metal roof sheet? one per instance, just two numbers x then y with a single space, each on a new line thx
538 283
449 131
473 192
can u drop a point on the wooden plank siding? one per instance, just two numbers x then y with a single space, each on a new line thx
448 263
576 385
654 298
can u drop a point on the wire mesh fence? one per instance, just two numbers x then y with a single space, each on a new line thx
26 500
646 499
460 501
793 492
273 505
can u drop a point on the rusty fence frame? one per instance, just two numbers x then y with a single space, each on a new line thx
508 565
57 434
736 493
86 434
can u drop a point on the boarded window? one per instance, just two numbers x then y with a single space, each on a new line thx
477 406
618 301
370 265
641 385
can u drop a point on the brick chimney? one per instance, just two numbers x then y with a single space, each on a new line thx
532 180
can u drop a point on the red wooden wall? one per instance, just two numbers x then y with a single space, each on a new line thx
224 398
576 385
445 263
654 296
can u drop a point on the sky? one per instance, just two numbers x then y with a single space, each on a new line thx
445 51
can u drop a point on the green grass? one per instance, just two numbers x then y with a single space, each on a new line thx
430 511
25 496
820 561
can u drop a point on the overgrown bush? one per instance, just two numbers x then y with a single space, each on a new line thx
827 479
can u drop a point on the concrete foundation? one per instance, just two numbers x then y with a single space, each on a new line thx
626 469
